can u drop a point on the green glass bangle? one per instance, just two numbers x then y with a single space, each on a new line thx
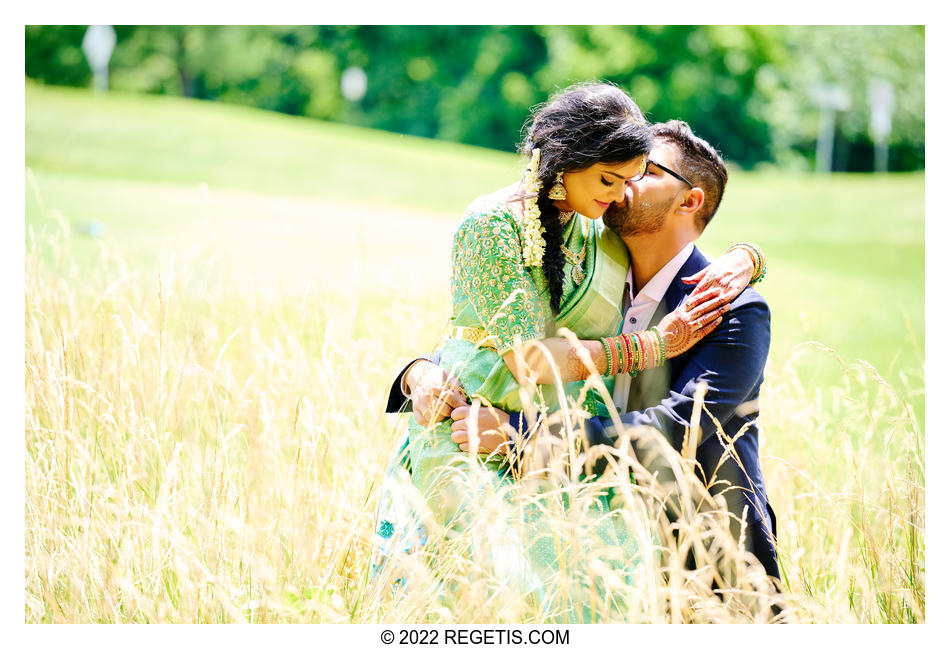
758 278
759 266
622 363
627 351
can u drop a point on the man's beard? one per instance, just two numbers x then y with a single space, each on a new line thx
639 218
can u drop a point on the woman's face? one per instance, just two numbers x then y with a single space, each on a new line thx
590 191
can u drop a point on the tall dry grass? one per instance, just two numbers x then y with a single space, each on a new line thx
203 449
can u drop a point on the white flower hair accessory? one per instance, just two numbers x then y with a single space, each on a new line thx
531 218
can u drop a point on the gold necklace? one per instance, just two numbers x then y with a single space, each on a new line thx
577 259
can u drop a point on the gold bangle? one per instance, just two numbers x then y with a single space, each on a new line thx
610 357
758 260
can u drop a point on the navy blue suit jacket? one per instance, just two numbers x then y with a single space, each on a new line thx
730 360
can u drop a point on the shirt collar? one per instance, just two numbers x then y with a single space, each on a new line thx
657 286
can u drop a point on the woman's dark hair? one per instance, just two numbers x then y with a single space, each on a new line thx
585 124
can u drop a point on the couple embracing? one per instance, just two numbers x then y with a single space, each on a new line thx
661 325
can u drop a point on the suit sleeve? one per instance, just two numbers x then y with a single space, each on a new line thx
397 401
730 360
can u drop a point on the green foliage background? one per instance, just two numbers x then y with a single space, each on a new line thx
747 89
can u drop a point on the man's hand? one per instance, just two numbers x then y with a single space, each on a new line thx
434 393
484 425
721 281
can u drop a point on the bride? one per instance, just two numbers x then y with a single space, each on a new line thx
527 260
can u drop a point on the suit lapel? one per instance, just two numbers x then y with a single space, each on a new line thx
649 388
677 290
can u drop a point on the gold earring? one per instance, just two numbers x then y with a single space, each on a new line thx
558 190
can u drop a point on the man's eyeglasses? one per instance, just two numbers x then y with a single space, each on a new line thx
659 166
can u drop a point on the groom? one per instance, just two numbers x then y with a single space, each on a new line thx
665 212
668 210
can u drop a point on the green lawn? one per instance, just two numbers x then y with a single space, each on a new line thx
311 201
169 140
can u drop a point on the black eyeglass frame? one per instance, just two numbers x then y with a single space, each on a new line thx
667 170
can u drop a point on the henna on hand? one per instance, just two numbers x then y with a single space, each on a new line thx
682 329
726 277
676 335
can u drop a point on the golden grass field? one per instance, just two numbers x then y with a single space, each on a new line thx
205 436
213 457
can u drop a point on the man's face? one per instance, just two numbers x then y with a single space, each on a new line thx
650 200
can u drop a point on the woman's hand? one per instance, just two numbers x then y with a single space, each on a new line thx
721 281
489 429
683 328
434 393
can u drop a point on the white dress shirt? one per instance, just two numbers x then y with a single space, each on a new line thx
642 308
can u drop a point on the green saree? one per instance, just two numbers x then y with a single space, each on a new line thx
494 293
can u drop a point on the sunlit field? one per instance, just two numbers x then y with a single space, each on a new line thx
217 299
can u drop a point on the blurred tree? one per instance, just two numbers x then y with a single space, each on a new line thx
493 97
54 55
744 88
849 57
703 75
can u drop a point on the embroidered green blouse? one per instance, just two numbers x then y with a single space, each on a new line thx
494 291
